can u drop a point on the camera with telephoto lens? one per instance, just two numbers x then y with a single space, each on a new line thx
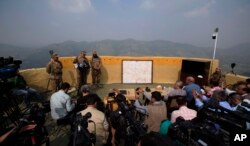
8 67
196 133
214 125
81 136
132 129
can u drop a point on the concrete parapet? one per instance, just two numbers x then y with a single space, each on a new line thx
165 70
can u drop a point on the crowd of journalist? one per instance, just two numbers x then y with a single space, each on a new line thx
154 115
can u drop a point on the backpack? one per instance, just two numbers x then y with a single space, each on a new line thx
164 127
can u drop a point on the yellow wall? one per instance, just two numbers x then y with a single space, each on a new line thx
232 79
165 70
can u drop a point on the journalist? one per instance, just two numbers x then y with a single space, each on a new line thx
177 90
191 85
60 103
183 111
118 129
157 111
98 124
236 102
218 98
82 100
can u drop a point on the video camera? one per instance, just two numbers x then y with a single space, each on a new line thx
131 128
229 120
8 67
214 125
245 104
194 133
82 121
81 135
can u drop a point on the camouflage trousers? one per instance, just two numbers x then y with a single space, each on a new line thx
96 76
81 77
55 83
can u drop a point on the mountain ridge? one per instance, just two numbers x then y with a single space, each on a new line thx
38 57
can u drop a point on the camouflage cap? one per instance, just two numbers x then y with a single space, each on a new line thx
54 55
83 51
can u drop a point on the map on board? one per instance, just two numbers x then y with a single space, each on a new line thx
137 71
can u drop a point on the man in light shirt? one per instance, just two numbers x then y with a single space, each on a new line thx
184 111
100 125
177 90
60 102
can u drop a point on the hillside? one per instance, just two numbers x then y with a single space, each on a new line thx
18 52
40 56
127 47
238 54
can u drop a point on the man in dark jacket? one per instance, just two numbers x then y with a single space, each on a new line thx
82 69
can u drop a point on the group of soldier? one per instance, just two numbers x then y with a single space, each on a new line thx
82 66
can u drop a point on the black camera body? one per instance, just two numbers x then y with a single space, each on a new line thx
128 126
214 125
195 133
8 67
82 121
81 135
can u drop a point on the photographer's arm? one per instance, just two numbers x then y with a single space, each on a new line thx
140 108
3 137
69 105
198 101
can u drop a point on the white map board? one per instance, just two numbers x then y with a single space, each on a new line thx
137 71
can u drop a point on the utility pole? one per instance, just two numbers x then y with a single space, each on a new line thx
214 37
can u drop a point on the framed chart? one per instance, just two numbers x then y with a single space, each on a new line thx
137 71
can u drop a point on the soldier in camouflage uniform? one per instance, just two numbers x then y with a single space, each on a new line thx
82 69
54 69
96 64
218 78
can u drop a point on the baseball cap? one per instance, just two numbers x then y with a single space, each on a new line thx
85 88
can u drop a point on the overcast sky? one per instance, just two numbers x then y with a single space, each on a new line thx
42 22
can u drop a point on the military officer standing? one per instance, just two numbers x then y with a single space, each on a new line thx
54 69
82 69
96 64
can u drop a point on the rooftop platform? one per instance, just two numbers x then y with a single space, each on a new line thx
165 71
